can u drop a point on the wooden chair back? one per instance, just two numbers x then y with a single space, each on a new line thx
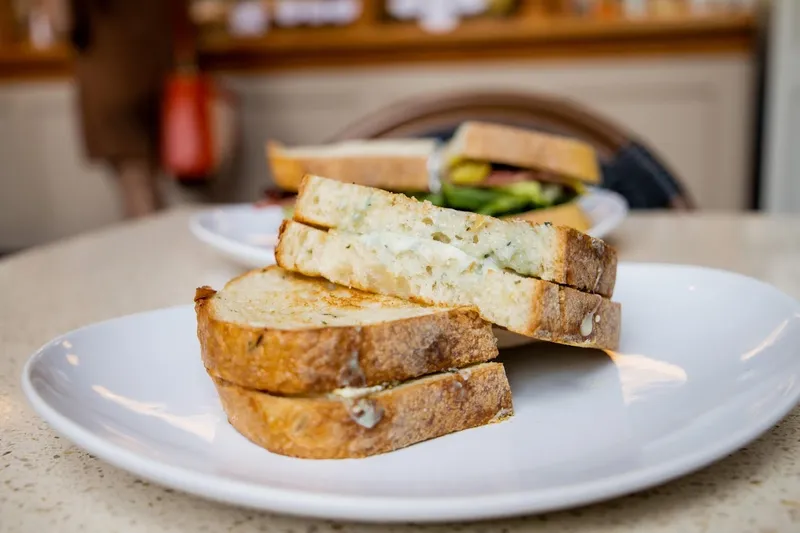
629 166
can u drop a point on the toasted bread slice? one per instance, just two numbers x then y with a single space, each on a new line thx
569 215
433 272
395 165
496 143
553 253
369 422
278 331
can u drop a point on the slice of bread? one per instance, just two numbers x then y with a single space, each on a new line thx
433 272
552 253
569 215
283 332
395 165
524 148
369 422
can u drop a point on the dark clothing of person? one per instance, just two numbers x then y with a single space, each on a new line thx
123 55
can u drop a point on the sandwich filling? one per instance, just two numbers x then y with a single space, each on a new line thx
498 190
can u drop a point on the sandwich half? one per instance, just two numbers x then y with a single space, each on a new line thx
500 170
369 421
286 333
437 273
546 251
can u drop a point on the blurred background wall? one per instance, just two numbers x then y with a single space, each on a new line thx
706 83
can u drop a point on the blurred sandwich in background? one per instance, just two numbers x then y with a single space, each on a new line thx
485 168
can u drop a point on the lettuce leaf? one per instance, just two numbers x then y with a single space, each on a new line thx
504 200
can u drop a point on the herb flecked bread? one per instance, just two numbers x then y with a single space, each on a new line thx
433 272
369 421
286 333
552 253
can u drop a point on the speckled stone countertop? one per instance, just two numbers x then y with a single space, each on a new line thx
47 484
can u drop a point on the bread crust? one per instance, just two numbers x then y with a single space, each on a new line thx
325 358
585 263
524 148
574 318
406 173
325 428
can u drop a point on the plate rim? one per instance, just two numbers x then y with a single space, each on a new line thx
254 256
602 229
233 249
387 509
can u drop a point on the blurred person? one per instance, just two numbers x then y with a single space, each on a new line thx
123 54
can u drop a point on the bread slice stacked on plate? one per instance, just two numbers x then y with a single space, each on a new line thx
375 329
538 280
307 368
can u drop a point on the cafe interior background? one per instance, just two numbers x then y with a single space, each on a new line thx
707 88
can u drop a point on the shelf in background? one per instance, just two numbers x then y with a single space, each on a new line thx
21 62
474 40
481 39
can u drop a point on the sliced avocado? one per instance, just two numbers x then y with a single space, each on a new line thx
538 194
436 199
468 198
504 205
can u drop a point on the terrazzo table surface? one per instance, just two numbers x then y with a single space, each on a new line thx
47 484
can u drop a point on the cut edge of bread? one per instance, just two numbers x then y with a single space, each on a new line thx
335 427
321 358
525 148
523 305
552 252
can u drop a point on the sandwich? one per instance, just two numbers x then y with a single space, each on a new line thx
545 282
504 171
399 165
374 331
310 369
485 168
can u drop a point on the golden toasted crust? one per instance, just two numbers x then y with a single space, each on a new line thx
579 250
325 358
286 171
405 173
325 428
496 143
574 318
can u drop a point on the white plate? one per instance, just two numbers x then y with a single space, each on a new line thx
708 361
247 234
